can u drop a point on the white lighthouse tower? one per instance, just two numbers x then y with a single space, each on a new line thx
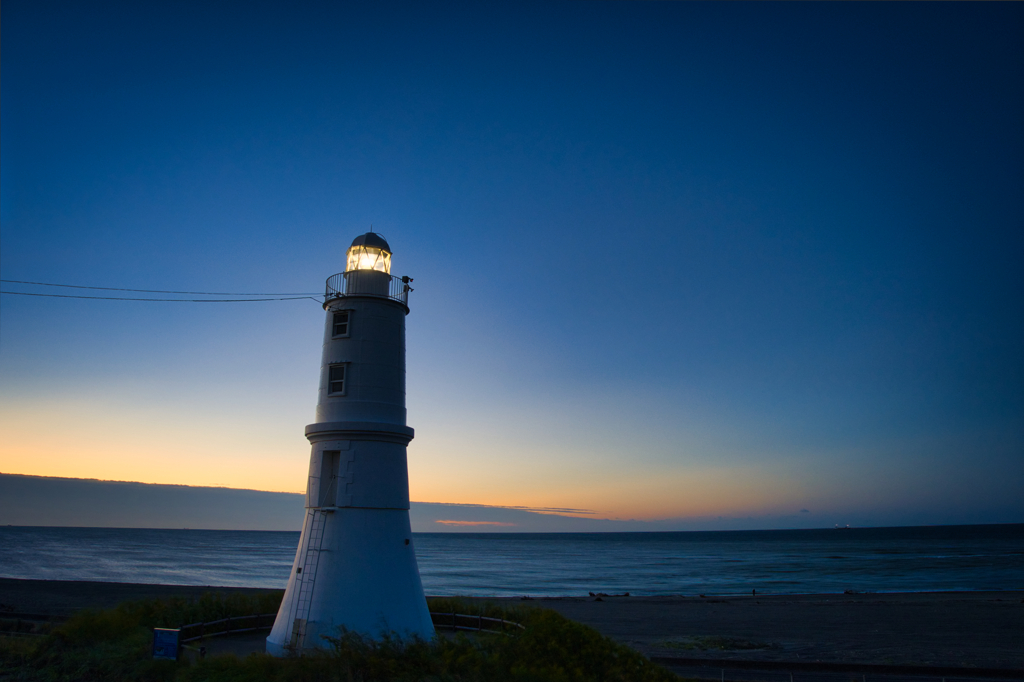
355 565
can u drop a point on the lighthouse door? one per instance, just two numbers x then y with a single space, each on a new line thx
329 471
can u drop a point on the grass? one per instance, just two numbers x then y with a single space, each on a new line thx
115 645
475 607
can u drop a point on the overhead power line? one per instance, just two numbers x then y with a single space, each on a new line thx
166 300
153 291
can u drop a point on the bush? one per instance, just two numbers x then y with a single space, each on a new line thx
115 645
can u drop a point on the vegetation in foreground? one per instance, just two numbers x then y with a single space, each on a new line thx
116 645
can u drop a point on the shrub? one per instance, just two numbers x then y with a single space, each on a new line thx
115 645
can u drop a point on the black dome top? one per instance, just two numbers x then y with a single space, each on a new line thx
372 239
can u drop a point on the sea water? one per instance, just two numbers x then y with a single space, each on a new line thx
556 564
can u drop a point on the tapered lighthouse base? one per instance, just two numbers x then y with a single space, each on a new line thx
355 568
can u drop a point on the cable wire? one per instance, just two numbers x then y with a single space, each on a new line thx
152 291
167 300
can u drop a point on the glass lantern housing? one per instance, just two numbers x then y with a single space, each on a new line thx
361 257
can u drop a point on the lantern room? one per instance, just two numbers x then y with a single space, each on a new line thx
369 251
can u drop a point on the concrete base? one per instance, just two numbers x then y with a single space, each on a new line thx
363 577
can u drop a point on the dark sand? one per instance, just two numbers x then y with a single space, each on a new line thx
956 629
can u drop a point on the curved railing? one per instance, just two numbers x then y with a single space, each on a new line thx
462 621
265 621
368 283
226 626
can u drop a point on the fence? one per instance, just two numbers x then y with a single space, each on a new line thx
461 621
265 621
726 670
226 626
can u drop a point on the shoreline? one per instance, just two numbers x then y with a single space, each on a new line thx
974 629
526 597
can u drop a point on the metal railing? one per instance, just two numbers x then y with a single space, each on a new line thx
462 621
226 626
368 283
734 670
265 621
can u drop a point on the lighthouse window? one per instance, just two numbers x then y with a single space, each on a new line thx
336 381
340 324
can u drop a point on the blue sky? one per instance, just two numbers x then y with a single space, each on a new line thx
672 260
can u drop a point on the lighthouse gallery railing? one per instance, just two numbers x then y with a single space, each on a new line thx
368 283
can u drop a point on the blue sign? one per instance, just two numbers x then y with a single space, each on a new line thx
165 643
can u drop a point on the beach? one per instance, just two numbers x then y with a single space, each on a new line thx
951 629
958 629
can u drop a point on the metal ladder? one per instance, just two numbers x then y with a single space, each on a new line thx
308 576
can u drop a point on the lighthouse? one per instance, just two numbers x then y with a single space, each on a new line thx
355 566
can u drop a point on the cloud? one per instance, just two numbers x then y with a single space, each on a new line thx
44 501
566 511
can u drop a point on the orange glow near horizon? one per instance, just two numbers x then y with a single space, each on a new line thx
147 445
148 448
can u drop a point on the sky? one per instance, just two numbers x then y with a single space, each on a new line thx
761 263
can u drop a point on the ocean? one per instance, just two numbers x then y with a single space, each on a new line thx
915 559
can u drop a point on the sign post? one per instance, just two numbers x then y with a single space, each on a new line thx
165 643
